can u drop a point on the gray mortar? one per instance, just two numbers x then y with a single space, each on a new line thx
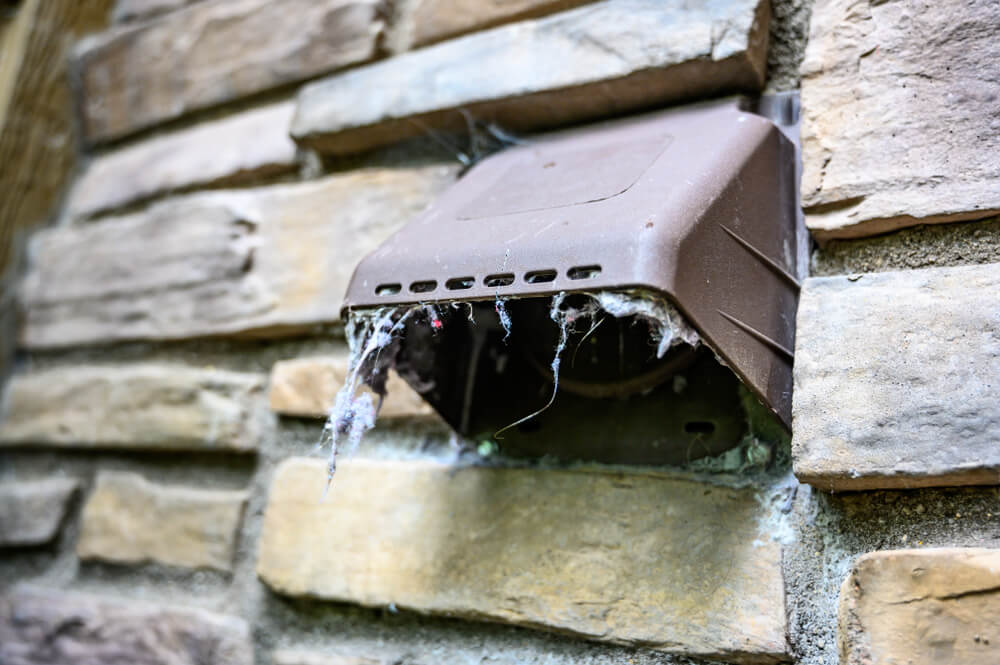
926 246
789 33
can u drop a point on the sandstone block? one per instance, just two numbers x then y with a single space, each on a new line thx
128 519
153 407
614 56
300 657
215 52
627 558
31 511
270 260
42 627
133 10
922 607
237 149
896 379
434 20
899 122
307 387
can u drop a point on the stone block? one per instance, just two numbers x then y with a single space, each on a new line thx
135 10
634 559
434 20
31 511
144 406
269 261
237 149
43 627
896 379
922 607
899 123
613 57
210 53
128 519
307 387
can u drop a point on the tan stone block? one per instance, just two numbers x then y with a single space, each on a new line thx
154 407
307 387
43 626
236 149
899 123
922 607
215 52
268 261
31 511
614 56
128 519
634 559
434 20
896 379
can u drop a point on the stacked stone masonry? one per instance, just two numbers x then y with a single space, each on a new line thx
180 343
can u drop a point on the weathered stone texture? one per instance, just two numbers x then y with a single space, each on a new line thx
154 407
627 558
307 387
922 607
434 20
31 511
614 56
44 627
215 52
130 520
299 657
899 107
237 149
896 379
271 260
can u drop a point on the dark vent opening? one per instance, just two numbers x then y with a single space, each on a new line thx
505 279
583 272
388 289
425 286
458 283
699 427
540 276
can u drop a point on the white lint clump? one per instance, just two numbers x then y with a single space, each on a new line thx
668 326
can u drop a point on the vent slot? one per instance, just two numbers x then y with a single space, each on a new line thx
540 276
583 272
388 289
425 286
503 279
459 283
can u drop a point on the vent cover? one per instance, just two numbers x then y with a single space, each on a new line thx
697 204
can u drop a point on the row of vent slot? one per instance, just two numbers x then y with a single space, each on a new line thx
491 281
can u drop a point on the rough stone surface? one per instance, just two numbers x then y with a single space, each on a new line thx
614 56
435 20
899 115
307 387
272 260
896 379
635 559
153 407
299 657
45 627
234 150
130 520
922 607
216 52
31 511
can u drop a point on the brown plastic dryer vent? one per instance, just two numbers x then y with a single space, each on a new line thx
697 205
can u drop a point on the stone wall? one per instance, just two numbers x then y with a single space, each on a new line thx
161 495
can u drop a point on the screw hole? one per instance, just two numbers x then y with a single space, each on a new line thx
458 283
540 276
505 279
388 289
425 286
583 272
699 427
